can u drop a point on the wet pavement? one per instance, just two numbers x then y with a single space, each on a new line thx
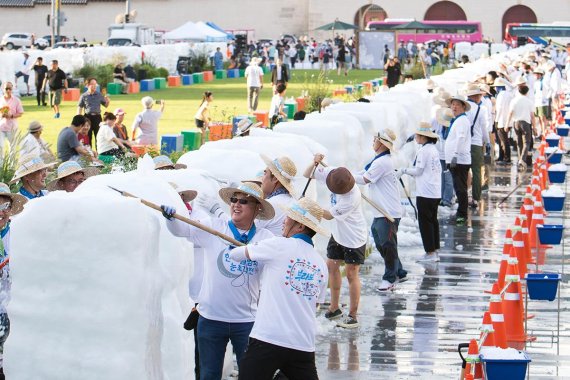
413 332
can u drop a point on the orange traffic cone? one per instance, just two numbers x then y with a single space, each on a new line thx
518 246
473 366
497 317
526 240
544 174
487 327
541 149
513 307
537 219
468 376
537 195
505 257
528 203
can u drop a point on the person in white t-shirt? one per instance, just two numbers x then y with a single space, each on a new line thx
502 100
540 101
294 282
254 78
276 112
458 153
277 186
521 113
107 143
384 191
348 241
229 293
427 172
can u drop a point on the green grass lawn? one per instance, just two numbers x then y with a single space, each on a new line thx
182 102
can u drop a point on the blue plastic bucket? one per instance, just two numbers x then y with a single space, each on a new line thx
566 120
501 369
552 142
550 233
562 131
556 177
563 112
555 158
542 286
553 203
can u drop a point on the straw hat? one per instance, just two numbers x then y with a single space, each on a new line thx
306 212
485 88
460 98
250 189
257 179
326 102
340 181
35 126
430 84
30 164
163 162
499 82
472 89
68 168
245 125
441 98
284 169
387 137
444 116
18 201
185 190
538 70
425 129
520 81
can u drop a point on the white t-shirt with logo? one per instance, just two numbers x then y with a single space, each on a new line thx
427 172
230 289
458 143
350 230
295 279
384 188
105 138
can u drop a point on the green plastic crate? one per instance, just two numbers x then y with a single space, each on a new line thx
221 74
291 109
198 77
114 88
106 159
266 70
191 139
159 83
241 73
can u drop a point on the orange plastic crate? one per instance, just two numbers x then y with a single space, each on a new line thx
134 88
208 76
339 92
262 116
174 81
300 103
72 95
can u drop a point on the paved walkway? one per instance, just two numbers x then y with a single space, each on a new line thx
413 332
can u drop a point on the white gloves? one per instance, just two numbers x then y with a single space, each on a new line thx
210 204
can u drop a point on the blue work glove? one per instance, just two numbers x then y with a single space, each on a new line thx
168 211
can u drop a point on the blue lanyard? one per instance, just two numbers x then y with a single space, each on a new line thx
242 238
306 238
279 191
29 195
375 158
3 252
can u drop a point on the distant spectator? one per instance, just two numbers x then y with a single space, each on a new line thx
276 112
57 81
10 110
40 69
147 122
68 145
34 144
24 71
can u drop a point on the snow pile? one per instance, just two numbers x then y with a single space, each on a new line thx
558 168
551 149
497 353
563 126
107 307
552 136
553 191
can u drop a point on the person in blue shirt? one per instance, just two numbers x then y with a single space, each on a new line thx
218 60
10 204
32 172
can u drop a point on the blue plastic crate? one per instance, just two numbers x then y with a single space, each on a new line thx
562 130
542 286
556 177
553 203
349 89
556 158
171 143
147 85
187 79
500 369
550 233
552 142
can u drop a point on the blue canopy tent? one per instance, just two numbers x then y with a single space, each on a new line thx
214 26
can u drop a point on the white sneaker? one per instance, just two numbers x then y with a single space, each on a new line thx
386 286
433 257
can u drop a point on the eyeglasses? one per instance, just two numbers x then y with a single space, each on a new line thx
241 201
5 206
75 182
8 88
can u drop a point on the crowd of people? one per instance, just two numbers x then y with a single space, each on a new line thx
262 294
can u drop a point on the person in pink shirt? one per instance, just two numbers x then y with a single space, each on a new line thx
10 110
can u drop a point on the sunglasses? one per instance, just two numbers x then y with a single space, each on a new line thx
8 88
5 206
241 201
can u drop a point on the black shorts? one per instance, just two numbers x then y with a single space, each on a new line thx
21 74
199 123
336 251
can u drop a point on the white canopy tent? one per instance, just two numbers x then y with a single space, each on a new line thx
212 35
187 32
